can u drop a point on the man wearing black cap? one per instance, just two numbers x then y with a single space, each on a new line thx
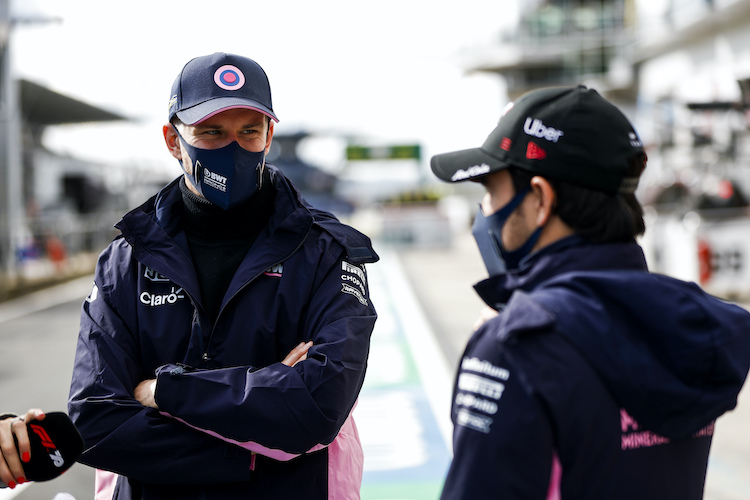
596 379
224 344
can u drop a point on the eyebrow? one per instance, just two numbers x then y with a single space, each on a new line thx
219 126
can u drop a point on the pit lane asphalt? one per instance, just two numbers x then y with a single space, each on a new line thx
426 307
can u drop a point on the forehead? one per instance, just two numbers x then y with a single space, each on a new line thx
234 117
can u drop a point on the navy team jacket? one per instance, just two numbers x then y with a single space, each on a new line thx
597 380
233 422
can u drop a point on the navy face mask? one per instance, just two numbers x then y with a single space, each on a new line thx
227 176
487 232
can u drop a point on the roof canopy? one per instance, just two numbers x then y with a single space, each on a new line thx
42 106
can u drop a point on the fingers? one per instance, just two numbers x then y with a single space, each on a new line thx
302 358
145 393
24 446
34 414
11 468
7 449
297 354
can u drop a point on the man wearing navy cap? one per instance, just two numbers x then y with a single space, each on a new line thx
594 379
224 344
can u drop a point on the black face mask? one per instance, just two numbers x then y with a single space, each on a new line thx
227 176
487 232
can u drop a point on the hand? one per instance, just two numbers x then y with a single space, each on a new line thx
145 393
486 314
146 390
11 459
297 354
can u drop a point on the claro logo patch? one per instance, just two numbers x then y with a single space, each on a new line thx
155 299
152 298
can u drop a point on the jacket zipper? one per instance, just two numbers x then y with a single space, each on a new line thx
205 357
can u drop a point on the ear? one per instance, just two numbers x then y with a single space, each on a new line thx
172 140
547 199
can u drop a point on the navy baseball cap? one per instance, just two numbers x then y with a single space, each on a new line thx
568 133
211 84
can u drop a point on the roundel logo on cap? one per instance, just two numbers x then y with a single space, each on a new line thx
229 77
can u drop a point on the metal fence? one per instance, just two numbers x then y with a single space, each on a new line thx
54 248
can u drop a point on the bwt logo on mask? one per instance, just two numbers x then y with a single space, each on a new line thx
214 180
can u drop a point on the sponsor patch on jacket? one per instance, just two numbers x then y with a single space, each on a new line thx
480 387
634 437
354 281
152 275
274 271
163 292
160 299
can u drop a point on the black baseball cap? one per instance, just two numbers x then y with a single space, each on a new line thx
55 445
211 84
568 133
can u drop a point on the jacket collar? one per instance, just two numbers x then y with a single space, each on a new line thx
154 232
568 254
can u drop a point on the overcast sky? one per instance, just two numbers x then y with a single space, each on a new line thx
388 70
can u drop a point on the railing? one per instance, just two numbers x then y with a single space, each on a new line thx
56 247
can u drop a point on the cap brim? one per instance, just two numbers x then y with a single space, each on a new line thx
465 165
206 110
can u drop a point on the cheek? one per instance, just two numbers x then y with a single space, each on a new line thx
187 163
515 231
507 236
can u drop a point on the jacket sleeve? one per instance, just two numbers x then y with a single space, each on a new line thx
119 433
502 439
281 408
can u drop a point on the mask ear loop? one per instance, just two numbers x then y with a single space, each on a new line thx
196 166
261 168
509 207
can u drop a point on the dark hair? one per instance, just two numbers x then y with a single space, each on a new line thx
597 216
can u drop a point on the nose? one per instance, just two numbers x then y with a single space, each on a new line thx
226 140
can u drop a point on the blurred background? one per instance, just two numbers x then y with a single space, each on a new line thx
366 94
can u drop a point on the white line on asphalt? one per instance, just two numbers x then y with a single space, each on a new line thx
432 364
44 299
